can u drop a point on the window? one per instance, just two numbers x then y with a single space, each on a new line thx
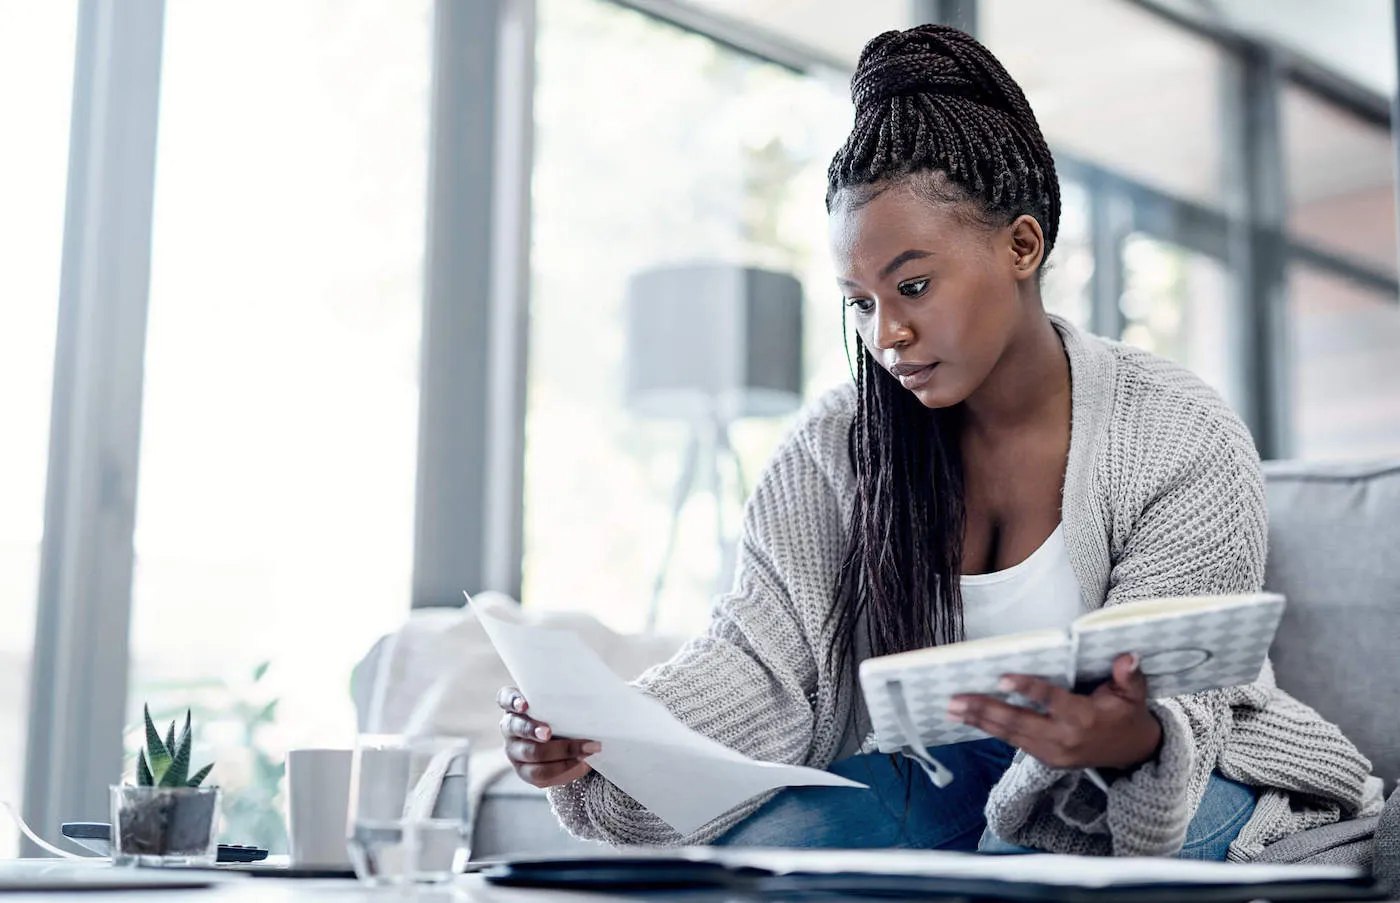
274 518
1066 286
36 86
1341 180
1118 86
653 145
836 27
1176 303
1346 387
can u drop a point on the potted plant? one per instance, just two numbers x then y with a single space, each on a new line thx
166 817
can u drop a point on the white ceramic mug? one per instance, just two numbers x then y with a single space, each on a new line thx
318 795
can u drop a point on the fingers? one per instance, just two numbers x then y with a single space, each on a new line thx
1017 726
538 757
521 726
1128 679
1054 699
512 700
554 773
529 752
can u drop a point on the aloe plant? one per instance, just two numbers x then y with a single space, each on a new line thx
166 763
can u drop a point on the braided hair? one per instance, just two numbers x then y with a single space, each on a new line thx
935 111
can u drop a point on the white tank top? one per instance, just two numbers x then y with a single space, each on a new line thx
1039 593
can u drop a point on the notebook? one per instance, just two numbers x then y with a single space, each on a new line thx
1186 644
922 874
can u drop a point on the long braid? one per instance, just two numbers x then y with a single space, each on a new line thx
934 108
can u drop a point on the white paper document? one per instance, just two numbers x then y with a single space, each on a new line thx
683 777
1043 868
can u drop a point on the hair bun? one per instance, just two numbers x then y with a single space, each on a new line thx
929 60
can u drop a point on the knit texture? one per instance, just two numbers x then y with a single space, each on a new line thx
1163 496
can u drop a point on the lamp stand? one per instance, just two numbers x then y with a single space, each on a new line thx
708 440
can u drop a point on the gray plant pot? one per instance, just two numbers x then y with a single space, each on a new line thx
164 825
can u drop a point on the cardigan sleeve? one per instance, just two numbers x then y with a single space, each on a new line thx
1201 531
750 680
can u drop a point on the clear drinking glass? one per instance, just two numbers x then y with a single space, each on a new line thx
409 816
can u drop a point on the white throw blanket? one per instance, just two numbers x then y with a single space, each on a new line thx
444 674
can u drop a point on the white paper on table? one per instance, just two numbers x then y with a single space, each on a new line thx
684 778
1042 868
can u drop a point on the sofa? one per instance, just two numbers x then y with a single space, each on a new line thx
1335 554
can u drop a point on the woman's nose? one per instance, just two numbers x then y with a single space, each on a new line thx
890 332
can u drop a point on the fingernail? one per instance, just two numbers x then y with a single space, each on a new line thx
1006 685
1134 661
517 703
957 707
542 733
591 747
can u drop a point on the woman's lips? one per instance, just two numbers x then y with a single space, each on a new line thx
915 379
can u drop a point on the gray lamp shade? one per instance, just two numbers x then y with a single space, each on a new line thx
713 340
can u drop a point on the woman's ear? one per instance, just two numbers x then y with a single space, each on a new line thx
1027 246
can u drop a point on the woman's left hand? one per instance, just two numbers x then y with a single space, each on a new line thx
1109 728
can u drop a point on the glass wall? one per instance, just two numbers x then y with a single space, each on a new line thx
1178 303
653 146
1066 287
1341 180
36 86
837 28
1113 84
1346 368
275 509
1345 386
274 522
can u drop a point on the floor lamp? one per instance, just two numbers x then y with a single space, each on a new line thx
709 344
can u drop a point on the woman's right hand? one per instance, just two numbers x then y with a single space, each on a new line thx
537 755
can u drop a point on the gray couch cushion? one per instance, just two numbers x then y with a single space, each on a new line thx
1334 551
1386 853
515 820
1350 842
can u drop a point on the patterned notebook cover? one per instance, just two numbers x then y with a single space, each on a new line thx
928 690
1183 652
1186 652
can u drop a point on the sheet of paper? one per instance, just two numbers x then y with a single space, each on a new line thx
685 778
1068 871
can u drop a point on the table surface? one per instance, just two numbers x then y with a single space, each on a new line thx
231 887
245 889
466 889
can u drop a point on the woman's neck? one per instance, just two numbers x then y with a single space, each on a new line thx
1030 383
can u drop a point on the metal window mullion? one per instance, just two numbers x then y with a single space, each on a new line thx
1256 199
744 37
957 13
476 286
1395 113
510 298
78 679
1110 221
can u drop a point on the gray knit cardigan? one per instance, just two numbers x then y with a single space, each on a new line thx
1162 497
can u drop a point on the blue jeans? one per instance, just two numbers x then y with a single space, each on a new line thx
902 808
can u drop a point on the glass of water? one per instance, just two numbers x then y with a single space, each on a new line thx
409 814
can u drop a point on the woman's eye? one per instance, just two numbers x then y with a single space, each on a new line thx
862 305
913 289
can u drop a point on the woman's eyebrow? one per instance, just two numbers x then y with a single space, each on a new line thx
889 268
901 259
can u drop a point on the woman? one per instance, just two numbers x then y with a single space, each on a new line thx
993 469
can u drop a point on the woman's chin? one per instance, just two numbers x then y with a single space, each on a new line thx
935 397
